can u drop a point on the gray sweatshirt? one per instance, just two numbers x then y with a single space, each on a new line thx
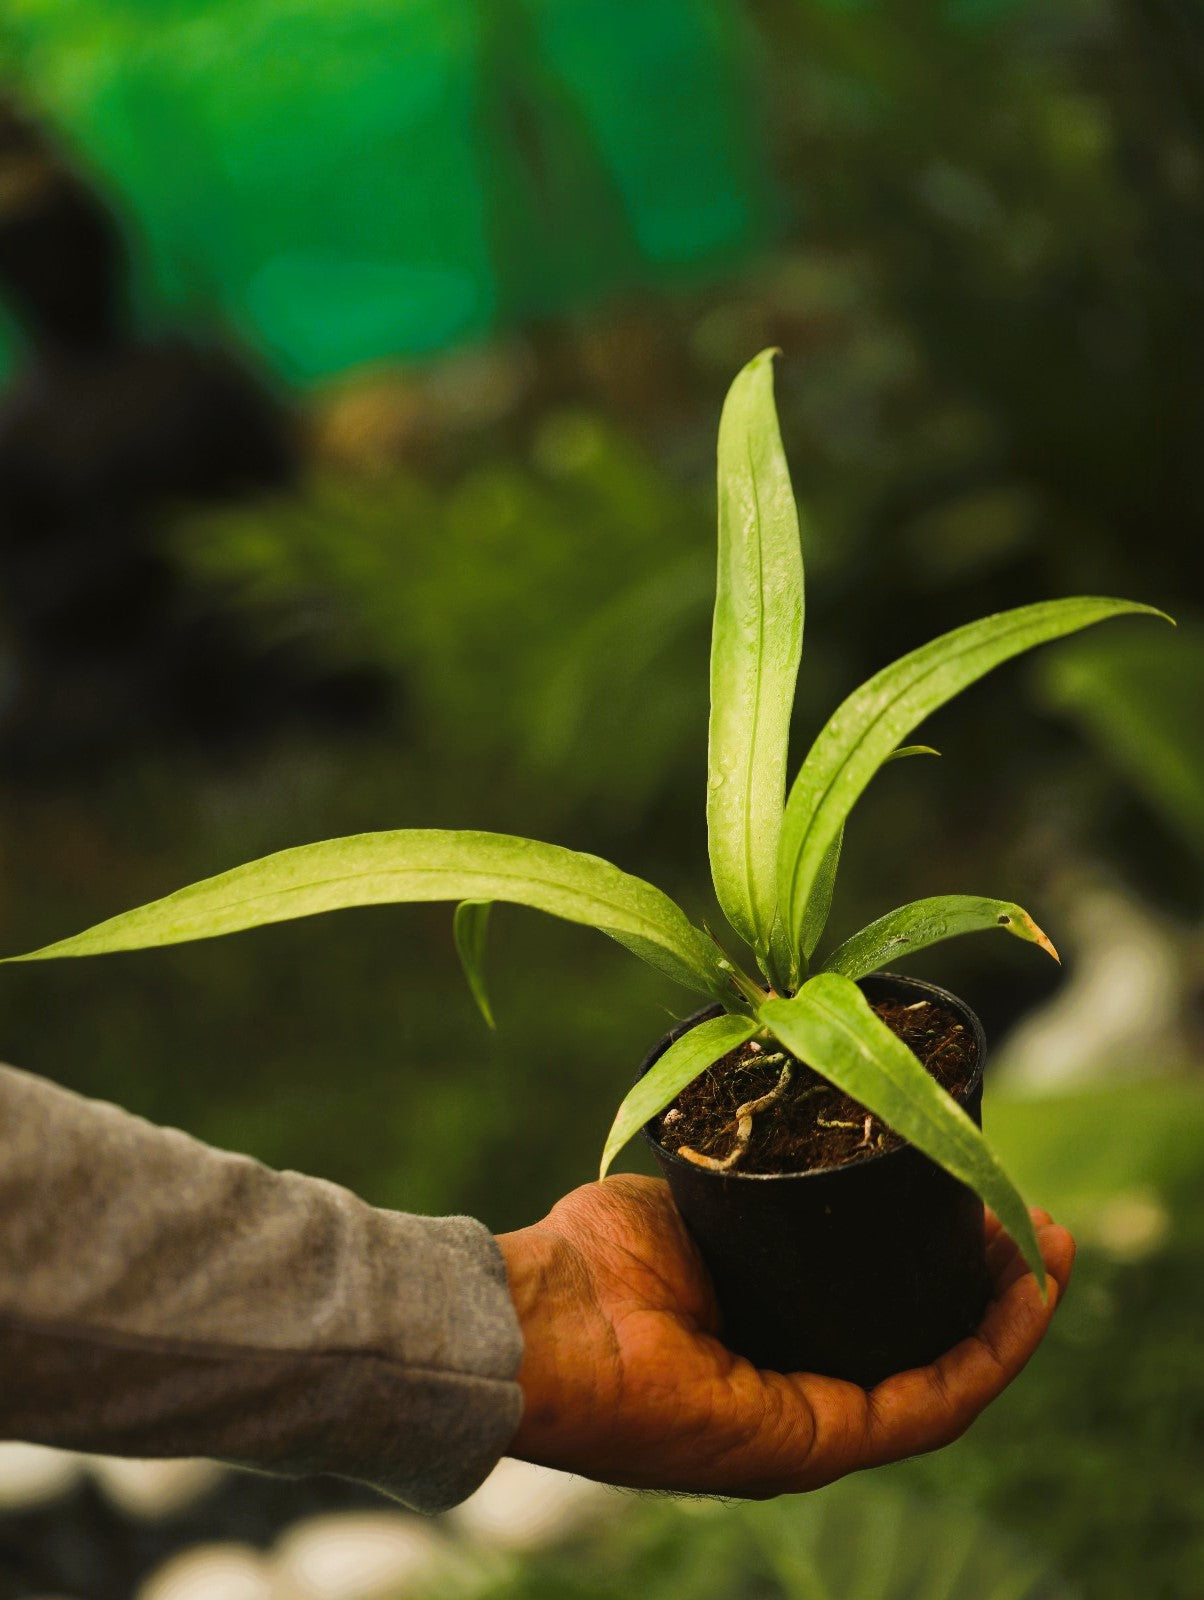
160 1298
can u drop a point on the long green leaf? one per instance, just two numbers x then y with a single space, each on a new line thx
469 928
864 730
924 922
819 902
681 1063
756 646
415 864
829 1025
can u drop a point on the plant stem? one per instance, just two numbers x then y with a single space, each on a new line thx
752 992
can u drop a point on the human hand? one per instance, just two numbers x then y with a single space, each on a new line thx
625 1379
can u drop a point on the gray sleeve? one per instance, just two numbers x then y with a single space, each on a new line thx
160 1298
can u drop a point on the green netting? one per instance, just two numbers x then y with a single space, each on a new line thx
342 180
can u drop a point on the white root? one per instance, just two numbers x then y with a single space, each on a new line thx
744 1124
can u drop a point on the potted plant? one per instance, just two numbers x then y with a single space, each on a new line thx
862 1253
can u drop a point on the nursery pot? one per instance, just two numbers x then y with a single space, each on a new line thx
857 1271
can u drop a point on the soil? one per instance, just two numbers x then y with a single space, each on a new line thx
815 1125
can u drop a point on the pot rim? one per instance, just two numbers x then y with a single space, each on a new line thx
930 991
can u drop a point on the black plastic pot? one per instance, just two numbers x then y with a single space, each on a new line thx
857 1271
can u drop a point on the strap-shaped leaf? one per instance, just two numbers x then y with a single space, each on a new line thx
924 922
819 902
469 928
829 1025
756 646
681 1063
864 730
414 864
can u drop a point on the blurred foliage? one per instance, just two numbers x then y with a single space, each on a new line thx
1142 702
527 606
855 1541
1116 1394
1077 1149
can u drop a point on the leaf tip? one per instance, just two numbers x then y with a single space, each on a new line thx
1024 927
1041 938
758 369
1040 1273
1152 611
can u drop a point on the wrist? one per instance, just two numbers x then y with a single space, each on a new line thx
531 1276
527 1272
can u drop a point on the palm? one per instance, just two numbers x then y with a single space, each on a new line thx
627 1380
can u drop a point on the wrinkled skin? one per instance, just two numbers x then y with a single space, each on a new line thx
624 1378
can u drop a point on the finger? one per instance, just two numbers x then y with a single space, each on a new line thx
1001 1253
992 1226
1015 1321
931 1406
928 1407
1057 1251
837 1416
1004 1261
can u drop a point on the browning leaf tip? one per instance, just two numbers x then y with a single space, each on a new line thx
1040 937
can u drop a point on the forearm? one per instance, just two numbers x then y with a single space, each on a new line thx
158 1297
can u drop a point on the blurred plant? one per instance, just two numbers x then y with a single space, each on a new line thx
521 604
1117 1489
846 1542
1140 702
773 863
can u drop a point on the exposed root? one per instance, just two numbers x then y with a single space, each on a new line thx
744 1125
770 1061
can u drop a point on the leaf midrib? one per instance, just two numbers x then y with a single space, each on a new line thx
750 766
353 877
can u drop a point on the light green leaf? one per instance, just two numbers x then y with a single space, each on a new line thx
862 732
756 646
829 1025
681 1063
415 864
819 902
906 750
469 927
924 922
